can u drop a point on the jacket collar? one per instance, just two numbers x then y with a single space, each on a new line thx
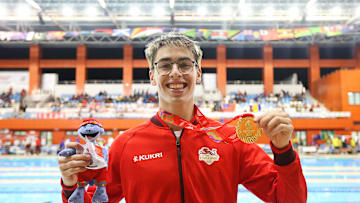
155 120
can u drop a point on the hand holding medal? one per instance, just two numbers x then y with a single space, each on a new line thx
277 126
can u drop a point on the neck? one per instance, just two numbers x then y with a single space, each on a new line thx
185 111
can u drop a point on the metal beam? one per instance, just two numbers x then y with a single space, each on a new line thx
109 13
105 40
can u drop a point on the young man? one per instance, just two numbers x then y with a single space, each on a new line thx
160 161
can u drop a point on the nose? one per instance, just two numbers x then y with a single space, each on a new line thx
175 72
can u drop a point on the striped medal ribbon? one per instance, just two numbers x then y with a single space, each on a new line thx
242 127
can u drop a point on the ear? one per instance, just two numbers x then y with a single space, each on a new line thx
152 80
198 75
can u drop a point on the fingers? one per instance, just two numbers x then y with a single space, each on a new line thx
280 136
284 129
273 118
278 121
72 171
258 118
277 126
75 158
75 145
74 164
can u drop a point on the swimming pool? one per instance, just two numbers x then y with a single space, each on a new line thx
36 180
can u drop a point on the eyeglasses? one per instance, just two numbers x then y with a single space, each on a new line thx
184 66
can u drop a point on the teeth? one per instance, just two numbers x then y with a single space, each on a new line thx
176 86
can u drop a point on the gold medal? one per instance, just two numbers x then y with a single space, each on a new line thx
247 129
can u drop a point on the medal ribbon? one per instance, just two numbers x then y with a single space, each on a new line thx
224 133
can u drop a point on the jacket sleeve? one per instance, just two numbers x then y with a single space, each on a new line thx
114 187
67 191
113 183
279 180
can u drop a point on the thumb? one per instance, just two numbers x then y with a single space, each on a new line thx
258 118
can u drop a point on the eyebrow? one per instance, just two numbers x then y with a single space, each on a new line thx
178 59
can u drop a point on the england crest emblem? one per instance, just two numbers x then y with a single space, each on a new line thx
208 156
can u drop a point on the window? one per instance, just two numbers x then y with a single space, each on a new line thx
71 133
355 135
301 137
108 133
327 134
19 133
354 98
4 131
46 137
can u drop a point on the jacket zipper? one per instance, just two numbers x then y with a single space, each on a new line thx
178 149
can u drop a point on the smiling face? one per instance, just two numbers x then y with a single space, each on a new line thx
90 131
175 88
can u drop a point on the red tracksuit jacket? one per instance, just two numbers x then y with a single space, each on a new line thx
149 164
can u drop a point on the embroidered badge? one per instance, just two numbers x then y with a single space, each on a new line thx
208 156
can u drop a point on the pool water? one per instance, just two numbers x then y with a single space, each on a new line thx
37 180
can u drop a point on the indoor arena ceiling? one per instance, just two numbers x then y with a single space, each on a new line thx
76 15
44 15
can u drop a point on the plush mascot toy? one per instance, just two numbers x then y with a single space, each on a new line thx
90 130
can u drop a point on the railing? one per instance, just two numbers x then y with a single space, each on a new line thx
67 82
247 82
257 82
145 113
104 81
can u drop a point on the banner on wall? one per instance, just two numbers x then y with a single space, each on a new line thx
51 115
211 34
145 32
